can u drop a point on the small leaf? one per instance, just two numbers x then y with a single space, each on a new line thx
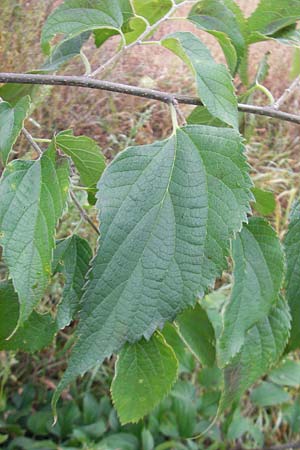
292 280
258 272
287 374
63 52
36 333
270 17
11 123
265 202
198 333
213 80
152 10
85 154
264 344
145 371
33 197
183 395
268 394
71 257
201 116
184 196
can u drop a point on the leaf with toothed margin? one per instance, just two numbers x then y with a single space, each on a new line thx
225 21
145 371
11 123
271 18
71 257
258 273
263 346
167 211
33 196
214 83
292 281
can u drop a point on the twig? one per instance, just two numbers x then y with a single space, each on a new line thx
31 141
166 97
286 94
83 213
146 33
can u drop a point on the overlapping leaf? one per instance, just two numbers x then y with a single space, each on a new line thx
63 52
71 257
271 17
198 333
167 211
292 250
263 346
258 272
225 21
86 155
144 374
213 80
36 333
74 17
33 195
105 19
11 123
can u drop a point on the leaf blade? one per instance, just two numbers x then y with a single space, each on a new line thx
147 370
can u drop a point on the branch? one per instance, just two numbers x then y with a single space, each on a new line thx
83 213
286 93
166 97
31 141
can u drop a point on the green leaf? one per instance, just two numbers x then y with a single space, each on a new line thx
213 80
11 123
14 92
225 21
265 203
287 374
292 279
201 116
63 52
198 333
33 197
151 10
74 17
183 395
295 69
85 154
262 349
184 196
183 355
272 16
268 394
36 333
258 272
145 371
71 257
241 425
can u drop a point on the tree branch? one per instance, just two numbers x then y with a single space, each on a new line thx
166 97
83 213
